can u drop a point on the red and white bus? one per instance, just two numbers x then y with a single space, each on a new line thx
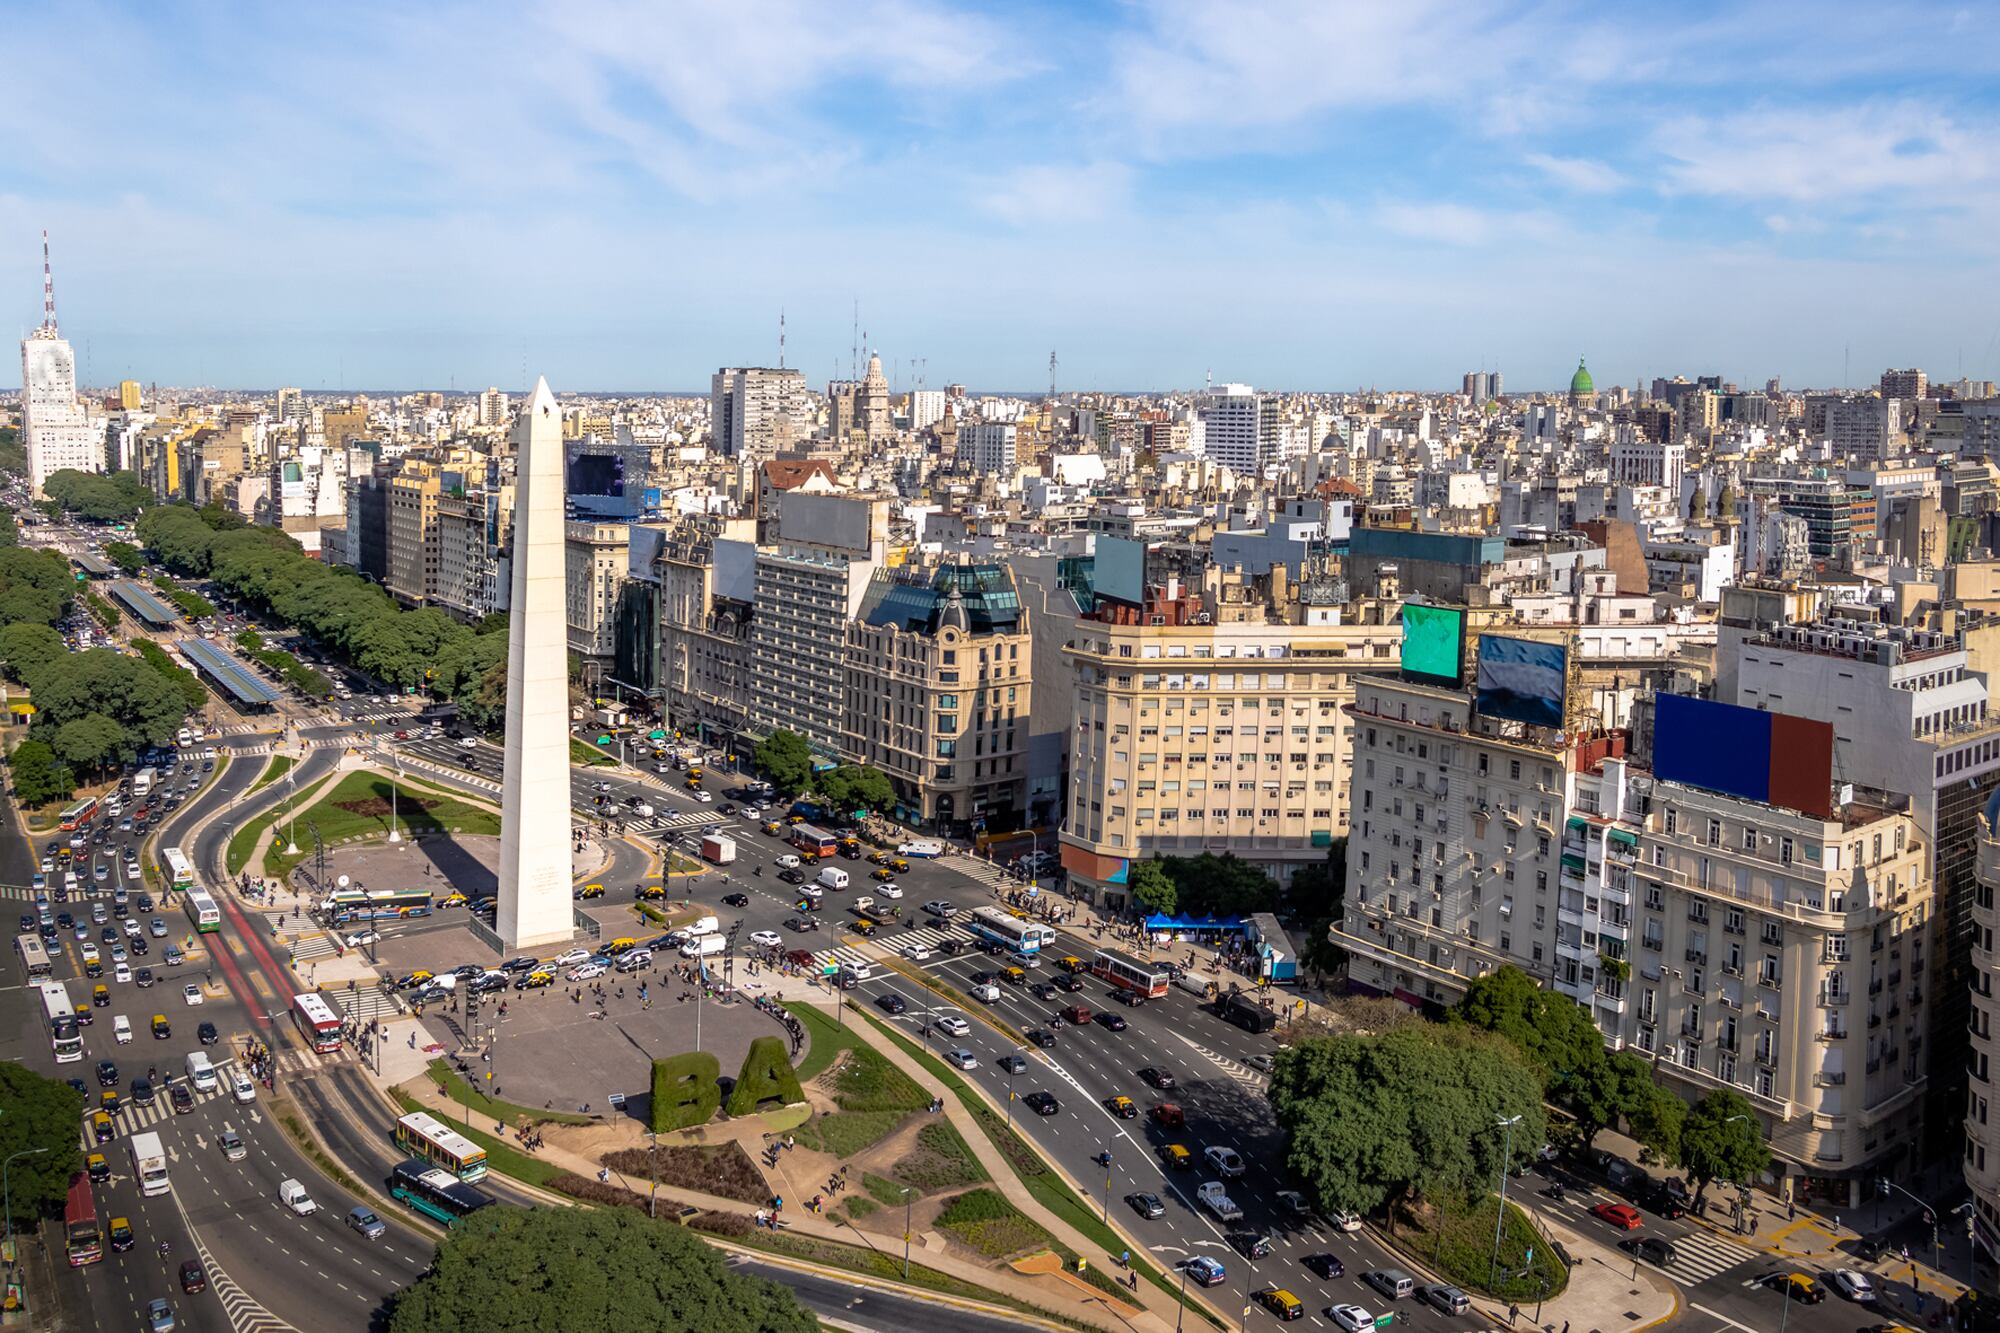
1128 973
76 816
82 1238
807 838
318 1023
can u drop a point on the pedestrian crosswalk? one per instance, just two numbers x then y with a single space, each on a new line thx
1234 1069
310 948
368 1002
892 940
663 825
1700 1255
985 872
131 1118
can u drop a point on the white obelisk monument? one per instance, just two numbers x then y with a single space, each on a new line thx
534 805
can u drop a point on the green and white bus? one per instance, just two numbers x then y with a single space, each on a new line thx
436 1194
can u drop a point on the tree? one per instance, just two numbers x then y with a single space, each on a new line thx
1606 1091
34 586
1221 885
91 742
1318 896
27 647
178 538
122 688
10 535
38 777
1552 1031
1153 888
785 761
108 497
42 1114
521 1270
852 787
1373 1121
1722 1140
126 556
1656 1122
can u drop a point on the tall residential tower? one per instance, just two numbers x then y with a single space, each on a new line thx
58 433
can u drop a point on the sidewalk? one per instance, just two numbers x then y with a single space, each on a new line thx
1821 1242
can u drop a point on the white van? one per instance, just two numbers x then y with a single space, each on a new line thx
241 1086
788 862
707 925
832 877
200 1072
704 946
121 1028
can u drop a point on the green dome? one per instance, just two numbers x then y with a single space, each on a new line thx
1580 383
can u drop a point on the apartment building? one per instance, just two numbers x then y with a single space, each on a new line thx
1194 736
807 587
1454 844
411 575
707 575
595 566
939 689
1982 1108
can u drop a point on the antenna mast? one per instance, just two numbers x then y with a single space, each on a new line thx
1052 375
48 287
854 346
781 337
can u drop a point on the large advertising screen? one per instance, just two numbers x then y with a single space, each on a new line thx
1522 679
1747 752
1434 641
1121 570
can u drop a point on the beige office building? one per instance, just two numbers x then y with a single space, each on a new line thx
413 516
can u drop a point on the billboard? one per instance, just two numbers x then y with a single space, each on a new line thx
1771 757
1434 642
1522 679
1120 571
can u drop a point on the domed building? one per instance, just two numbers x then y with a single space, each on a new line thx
1582 390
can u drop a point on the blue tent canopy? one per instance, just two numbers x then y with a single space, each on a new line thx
1160 921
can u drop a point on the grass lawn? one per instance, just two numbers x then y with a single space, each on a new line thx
825 1040
500 1157
365 803
874 1096
940 1161
464 1095
859 1206
1458 1242
280 765
244 841
995 1228
845 1133
583 752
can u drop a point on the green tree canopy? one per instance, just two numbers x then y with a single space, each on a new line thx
1371 1121
852 787
106 497
1222 885
38 777
1152 888
10 535
785 761
1657 1120
178 538
91 742
1722 1140
28 646
125 555
1606 1091
35 586
41 1120
121 688
526 1270
1553 1031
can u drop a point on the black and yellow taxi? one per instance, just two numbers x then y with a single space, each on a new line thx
864 927
102 1129
1176 1156
899 865
623 944
1071 963
98 1167
109 1101
772 828
591 891
84 1016
880 858
652 892
849 847
122 1238
452 900
535 981
162 1029
884 875
1281 1303
1798 1286
795 819
807 857
1123 1107
100 996
1014 976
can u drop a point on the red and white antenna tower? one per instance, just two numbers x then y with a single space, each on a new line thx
48 287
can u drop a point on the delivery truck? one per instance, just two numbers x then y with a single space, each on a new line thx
718 849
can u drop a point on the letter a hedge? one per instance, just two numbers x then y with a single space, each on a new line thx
766 1077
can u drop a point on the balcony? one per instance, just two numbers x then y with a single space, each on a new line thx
1829 997
1770 980
1699 957
1830 1034
1698 913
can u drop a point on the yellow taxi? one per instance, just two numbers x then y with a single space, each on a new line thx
1014 976
109 1101
795 819
101 1127
880 858
884 874
121 1234
1071 963
1799 1286
772 828
98 1167
100 995
693 783
652 892
1124 1108
1281 1303
537 980
1176 1156
452 900
84 1017
807 857
161 1028
849 846
864 927
591 891
899 865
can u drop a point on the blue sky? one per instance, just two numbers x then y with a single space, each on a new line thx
1316 195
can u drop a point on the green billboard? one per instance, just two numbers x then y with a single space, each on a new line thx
1434 642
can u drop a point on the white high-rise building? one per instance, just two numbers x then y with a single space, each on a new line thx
57 430
756 411
493 405
1241 428
991 447
926 408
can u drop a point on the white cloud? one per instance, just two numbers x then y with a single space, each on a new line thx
1581 174
1836 156
1462 225
1058 193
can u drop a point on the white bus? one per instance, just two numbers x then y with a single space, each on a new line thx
34 955
178 870
201 909
60 1018
1004 928
149 1164
422 1135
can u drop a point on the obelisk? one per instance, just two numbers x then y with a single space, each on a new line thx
534 804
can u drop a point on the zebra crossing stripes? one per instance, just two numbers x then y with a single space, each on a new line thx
671 823
985 872
368 1002
132 1118
1234 1069
1700 1256
308 948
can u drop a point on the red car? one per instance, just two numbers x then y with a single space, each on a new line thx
1621 1215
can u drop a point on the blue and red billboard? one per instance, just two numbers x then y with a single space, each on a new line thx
1770 757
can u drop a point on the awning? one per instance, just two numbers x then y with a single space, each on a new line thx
1577 823
1626 836
1571 861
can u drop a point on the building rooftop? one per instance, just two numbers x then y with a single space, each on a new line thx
144 605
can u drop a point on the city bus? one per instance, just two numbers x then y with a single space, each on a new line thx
317 1022
375 905
1128 973
1004 928
423 1135
201 910
59 1016
76 816
807 838
34 955
83 1240
176 869
436 1194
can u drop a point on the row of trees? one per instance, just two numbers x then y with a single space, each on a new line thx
784 760
344 613
102 497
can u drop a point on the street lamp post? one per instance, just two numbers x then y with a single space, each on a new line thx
1180 1316
908 1201
395 771
7 1203
292 812
1506 1127
1930 1216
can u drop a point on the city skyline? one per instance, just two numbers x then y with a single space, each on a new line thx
1301 200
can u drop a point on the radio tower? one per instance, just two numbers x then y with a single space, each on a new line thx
781 337
48 289
1052 376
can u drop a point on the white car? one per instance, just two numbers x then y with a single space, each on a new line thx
132 928
588 972
1227 1163
916 953
952 1025
1854 1286
122 972
963 1058
361 937
191 993
468 742
704 797
770 939
569 958
121 1028
1344 1221
890 891
1350 1318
